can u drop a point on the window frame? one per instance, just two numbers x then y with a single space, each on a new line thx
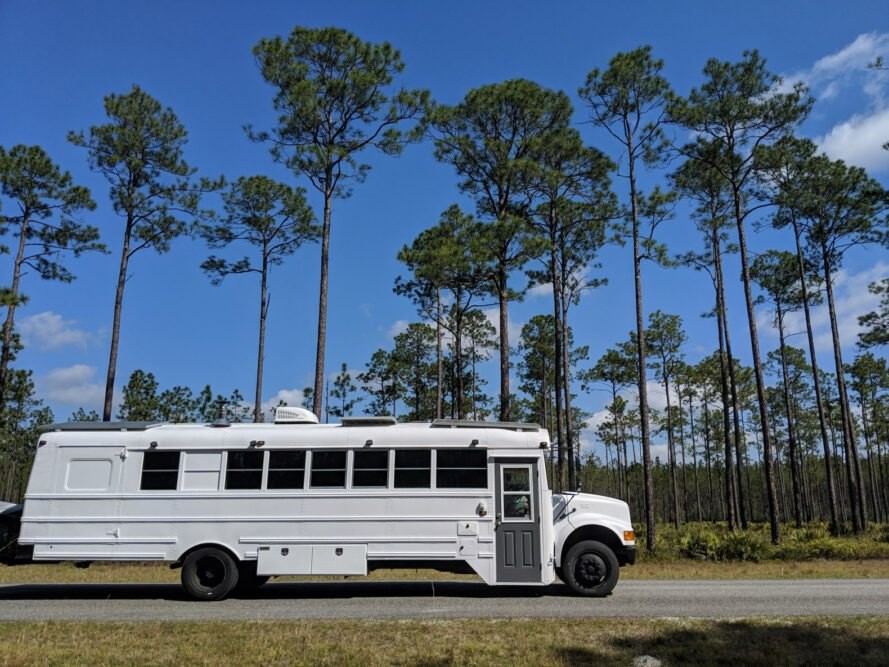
242 472
407 469
269 469
358 453
313 469
150 453
505 494
484 467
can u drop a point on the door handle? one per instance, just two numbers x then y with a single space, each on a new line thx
497 520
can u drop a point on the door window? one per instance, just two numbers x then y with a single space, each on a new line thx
517 499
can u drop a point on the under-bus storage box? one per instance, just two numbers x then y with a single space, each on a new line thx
345 559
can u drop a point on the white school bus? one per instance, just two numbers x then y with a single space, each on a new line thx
235 504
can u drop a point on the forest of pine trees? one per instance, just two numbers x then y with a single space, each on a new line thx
793 437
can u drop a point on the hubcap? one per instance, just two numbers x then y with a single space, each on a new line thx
211 571
591 570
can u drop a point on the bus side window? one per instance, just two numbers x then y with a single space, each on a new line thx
160 471
370 468
287 469
244 470
461 469
413 468
328 469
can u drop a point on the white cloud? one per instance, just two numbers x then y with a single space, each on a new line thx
578 277
832 70
660 452
400 326
513 328
859 140
50 331
73 385
857 55
292 397
595 420
842 77
545 289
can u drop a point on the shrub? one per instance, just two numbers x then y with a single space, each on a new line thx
699 545
743 546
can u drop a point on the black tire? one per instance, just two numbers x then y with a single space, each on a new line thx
248 580
591 569
209 573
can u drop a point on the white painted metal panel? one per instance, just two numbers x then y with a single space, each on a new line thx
339 559
280 560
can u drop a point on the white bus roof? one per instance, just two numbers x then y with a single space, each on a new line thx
353 432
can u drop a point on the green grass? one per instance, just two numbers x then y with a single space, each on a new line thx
787 641
157 573
427 643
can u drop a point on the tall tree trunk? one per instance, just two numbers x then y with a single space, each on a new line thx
738 430
563 304
322 296
115 326
853 468
641 354
724 365
775 528
439 361
459 384
504 343
813 360
672 453
473 396
708 462
566 387
874 503
9 323
694 455
682 452
791 427
260 354
881 466
559 333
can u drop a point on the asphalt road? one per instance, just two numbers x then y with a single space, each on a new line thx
412 600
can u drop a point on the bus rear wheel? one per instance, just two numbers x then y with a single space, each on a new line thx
209 573
591 569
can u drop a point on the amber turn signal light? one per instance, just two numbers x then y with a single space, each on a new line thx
629 536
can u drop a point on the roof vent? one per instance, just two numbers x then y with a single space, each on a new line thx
369 421
292 415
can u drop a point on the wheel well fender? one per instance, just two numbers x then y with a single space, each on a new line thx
598 533
215 545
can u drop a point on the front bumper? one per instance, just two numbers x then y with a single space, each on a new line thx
626 556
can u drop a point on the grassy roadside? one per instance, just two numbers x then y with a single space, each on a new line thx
158 573
848 641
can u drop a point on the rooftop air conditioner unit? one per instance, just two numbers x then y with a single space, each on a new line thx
291 415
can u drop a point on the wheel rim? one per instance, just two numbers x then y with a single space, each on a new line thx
210 572
591 570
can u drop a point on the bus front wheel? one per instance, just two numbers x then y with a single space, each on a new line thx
590 569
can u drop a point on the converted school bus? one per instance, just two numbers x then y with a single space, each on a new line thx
234 504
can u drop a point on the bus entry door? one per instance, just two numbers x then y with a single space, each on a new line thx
517 535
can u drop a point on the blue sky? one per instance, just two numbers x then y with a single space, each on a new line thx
59 59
